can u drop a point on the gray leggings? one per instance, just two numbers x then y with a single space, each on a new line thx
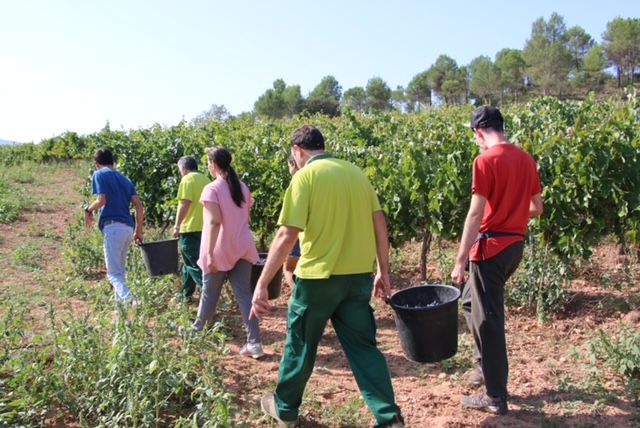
240 278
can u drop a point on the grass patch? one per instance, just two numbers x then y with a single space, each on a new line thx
9 210
25 173
15 197
129 373
621 354
37 231
462 361
346 414
28 256
11 204
28 187
83 367
82 252
343 413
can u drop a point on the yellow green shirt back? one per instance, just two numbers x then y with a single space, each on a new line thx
190 188
333 202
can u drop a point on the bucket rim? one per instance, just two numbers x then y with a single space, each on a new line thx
428 308
158 242
261 256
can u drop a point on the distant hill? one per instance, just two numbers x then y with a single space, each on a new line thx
7 142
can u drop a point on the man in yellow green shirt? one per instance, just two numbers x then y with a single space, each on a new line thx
333 208
188 226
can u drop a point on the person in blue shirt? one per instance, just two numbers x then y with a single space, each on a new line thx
115 194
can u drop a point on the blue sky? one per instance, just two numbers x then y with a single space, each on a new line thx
76 64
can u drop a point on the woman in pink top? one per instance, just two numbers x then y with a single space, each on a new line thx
227 248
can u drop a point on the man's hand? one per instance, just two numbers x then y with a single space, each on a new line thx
457 275
382 286
260 303
176 231
381 283
88 220
138 237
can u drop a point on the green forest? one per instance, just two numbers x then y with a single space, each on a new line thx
557 60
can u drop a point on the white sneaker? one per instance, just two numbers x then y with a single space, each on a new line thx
253 350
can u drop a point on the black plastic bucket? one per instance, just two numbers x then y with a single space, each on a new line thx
427 320
276 283
160 257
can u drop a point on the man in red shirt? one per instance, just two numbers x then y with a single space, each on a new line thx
505 194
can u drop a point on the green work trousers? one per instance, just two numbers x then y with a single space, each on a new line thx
191 274
344 299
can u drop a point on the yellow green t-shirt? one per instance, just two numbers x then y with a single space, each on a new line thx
333 202
190 188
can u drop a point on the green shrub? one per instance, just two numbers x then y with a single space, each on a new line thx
25 173
135 372
24 383
621 353
28 256
14 199
82 251
9 206
420 165
540 282
9 210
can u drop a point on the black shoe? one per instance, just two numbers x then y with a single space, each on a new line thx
495 405
476 377
397 424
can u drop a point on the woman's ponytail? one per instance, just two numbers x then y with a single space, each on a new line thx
222 158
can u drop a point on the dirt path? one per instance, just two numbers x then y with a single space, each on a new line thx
544 383
30 249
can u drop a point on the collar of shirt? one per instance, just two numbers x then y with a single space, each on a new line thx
324 155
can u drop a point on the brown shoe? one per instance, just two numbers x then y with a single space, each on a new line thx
268 405
495 405
476 377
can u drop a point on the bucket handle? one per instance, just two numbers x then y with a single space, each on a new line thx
459 286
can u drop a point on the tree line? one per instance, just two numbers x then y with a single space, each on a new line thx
556 60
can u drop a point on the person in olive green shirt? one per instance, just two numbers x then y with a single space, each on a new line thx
188 225
331 204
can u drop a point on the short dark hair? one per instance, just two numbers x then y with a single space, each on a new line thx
308 138
104 156
487 117
188 162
